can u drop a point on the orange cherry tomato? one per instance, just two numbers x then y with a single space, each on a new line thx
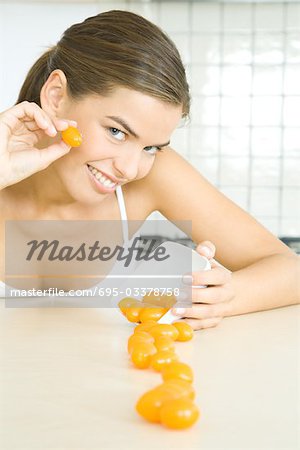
178 370
140 336
164 343
71 136
161 359
144 326
126 303
149 405
179 413
152 299
167 301
152 313
185 331
133 313
141 354
177 388
162 329
163 301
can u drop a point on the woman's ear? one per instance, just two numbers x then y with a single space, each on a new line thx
53 94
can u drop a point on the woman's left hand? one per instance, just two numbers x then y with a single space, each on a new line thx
212 303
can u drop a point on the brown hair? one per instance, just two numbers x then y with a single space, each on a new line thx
115 48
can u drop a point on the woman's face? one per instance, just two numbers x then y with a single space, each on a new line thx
122 134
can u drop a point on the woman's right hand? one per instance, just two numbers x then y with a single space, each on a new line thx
21 129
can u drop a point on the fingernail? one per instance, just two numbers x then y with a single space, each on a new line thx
52 130
44 122
187 279
178 311
206 250
64 123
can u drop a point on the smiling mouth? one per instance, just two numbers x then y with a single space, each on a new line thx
106 182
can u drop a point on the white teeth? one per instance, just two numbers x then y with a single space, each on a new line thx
102 178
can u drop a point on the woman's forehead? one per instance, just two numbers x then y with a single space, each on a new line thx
134 108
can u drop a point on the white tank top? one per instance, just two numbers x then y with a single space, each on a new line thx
125 233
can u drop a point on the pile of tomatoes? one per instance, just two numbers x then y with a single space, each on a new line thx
152 345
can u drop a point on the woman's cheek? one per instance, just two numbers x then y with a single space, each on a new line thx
93 148
145 168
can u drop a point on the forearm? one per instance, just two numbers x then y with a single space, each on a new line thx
269 283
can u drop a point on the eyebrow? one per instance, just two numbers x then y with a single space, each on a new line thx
125 125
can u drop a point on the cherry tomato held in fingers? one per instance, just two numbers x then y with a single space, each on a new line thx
162 359
71 136
177 370
140 336
179 413
185 331
141 354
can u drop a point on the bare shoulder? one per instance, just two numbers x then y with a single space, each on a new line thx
181 193
142 196
171 176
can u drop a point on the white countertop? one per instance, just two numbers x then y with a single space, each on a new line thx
66 383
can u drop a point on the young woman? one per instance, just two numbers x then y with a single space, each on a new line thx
120 79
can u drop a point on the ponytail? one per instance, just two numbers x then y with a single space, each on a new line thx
36 78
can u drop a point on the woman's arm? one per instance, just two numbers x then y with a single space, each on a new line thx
265 272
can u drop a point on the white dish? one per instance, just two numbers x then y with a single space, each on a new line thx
198 263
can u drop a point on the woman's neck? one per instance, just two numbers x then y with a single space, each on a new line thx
42 196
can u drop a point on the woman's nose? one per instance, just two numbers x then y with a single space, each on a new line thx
127 164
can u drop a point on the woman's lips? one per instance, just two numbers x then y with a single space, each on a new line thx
98 185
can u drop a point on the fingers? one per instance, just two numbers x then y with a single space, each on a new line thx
217 275
63 124
34 160
34 118
59 124
50 154
21 128
211 295
28 112
204 311
197 324
211 304
204 316
214 295
207 249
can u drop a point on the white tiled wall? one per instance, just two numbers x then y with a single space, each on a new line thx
243 65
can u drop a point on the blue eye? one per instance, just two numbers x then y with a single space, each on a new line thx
152 150
116 133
